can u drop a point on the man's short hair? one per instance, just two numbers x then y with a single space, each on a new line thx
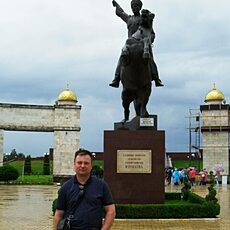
138 2
83 152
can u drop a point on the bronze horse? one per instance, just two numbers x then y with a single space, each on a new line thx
137 68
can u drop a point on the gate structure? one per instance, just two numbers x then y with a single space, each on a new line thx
63 119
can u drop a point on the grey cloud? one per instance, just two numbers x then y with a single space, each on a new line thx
48 44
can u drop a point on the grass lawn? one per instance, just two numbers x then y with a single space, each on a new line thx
186 164
36 166
35 179
37 176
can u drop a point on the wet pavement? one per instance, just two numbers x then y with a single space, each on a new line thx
29 208
26 207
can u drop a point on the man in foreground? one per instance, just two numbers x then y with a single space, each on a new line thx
93 193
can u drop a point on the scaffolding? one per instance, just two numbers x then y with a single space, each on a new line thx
194 138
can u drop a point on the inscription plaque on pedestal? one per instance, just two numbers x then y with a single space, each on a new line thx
147 122
134 161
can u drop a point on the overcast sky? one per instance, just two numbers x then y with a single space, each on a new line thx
47 44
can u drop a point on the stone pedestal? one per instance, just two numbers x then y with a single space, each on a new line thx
138 123
134 164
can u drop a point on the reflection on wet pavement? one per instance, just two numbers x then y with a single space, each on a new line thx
26 207
29 208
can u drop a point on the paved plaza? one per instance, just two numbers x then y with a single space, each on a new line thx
29 208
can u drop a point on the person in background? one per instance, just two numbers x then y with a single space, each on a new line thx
168 175
203 177
218 176
184 175
192 176
176 177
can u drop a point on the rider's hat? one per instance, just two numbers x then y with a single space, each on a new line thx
138 2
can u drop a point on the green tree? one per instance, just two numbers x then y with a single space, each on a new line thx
46 165
13 153
12 156
27 165
21 156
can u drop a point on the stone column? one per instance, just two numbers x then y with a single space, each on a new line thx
66 140
215 137
1 146
66 143
215 151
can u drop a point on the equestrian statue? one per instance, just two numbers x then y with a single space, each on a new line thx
136 68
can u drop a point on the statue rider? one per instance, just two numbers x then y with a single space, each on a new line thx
133 22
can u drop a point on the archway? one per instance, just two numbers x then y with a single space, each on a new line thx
63 119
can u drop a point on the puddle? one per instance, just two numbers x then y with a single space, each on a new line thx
27 205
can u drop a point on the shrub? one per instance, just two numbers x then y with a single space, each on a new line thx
8 173
194 206
172 196
156 211
27 166
185 191
97 171
195 199
212 194
54 203
211 207
46 165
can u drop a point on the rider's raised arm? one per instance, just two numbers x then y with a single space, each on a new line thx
120 12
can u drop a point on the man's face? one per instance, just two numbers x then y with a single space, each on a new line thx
135 8
83 165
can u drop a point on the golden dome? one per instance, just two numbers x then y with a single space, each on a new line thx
214 95
67 95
